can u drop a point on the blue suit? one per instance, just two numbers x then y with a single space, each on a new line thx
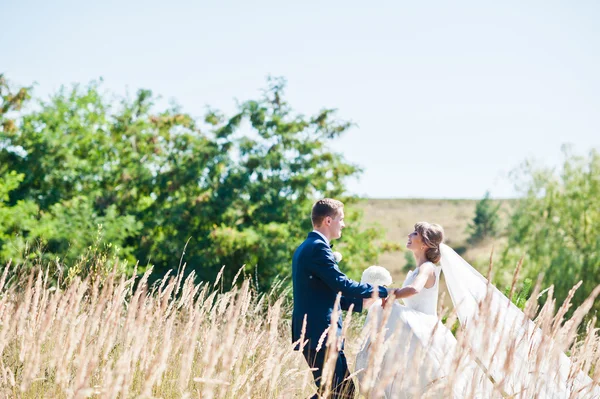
317 280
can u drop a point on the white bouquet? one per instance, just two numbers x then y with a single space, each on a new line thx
376 275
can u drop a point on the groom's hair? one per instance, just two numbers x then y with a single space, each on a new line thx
323 208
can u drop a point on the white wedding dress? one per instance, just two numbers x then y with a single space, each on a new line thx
415 355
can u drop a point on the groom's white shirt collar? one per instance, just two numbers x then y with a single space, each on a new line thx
321 234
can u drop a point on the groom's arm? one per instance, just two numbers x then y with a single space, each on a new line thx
357 302
324 267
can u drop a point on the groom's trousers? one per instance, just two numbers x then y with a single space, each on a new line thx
341 387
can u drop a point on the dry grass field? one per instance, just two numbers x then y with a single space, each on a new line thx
118 338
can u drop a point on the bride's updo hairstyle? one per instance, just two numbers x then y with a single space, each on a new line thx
432 235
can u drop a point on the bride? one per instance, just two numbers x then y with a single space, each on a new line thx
408 353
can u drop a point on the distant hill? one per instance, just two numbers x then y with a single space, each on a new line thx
398 217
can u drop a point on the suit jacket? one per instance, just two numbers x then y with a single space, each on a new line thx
316 280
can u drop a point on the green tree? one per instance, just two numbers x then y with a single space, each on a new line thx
238 187
486 221
556 225
14 215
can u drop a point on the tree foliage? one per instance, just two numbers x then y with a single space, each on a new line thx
239 187
556 225
486 222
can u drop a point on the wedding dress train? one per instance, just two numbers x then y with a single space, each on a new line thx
501 351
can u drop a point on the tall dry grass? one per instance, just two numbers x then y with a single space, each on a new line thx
118 337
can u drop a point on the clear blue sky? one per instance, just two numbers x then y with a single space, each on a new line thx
448 96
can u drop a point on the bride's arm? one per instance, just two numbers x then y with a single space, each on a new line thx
416 286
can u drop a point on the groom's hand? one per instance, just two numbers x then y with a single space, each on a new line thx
391 297
367 302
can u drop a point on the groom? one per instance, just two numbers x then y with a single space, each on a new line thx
317 280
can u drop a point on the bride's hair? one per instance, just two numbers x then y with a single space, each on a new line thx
433 236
